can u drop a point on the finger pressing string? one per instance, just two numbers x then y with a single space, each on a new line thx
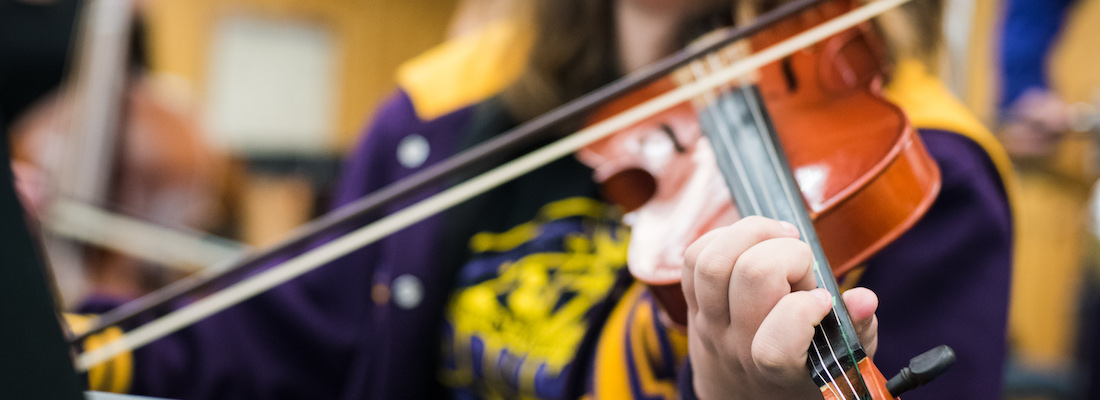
779 349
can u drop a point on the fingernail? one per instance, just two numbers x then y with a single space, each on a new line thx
789 228
823 295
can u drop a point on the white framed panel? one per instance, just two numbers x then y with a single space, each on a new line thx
272 86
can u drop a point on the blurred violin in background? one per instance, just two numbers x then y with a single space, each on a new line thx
115 138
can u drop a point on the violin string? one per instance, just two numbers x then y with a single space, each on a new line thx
370 233
831 382
699 71
723 138
755 108
803 226
794 199
767 203
757 119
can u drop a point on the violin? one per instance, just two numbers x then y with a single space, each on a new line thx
679 97
811 141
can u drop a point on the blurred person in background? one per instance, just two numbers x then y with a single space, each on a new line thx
1056 171
1033 117
165 173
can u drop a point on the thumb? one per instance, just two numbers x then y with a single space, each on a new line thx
862 303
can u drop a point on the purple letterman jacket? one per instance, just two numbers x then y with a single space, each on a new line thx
367 326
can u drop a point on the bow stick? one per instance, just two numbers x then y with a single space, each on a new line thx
370 233
516 139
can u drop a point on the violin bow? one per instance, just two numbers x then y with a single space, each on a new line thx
352 214
327 252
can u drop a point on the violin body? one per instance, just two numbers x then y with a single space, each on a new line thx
863 171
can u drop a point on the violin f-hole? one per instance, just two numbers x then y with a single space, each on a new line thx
672 136
788 75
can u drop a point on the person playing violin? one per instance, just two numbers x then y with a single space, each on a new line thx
522 292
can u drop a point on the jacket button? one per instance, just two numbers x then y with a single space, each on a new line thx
408 292
412 151
380 294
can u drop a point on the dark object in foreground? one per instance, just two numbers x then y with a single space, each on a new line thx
921 370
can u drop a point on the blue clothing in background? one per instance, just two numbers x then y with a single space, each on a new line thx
1028 33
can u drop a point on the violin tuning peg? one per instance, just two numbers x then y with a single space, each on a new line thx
921 370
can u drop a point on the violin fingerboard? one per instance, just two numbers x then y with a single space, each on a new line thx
761 183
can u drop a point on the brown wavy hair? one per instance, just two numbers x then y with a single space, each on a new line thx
573 53
575 50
